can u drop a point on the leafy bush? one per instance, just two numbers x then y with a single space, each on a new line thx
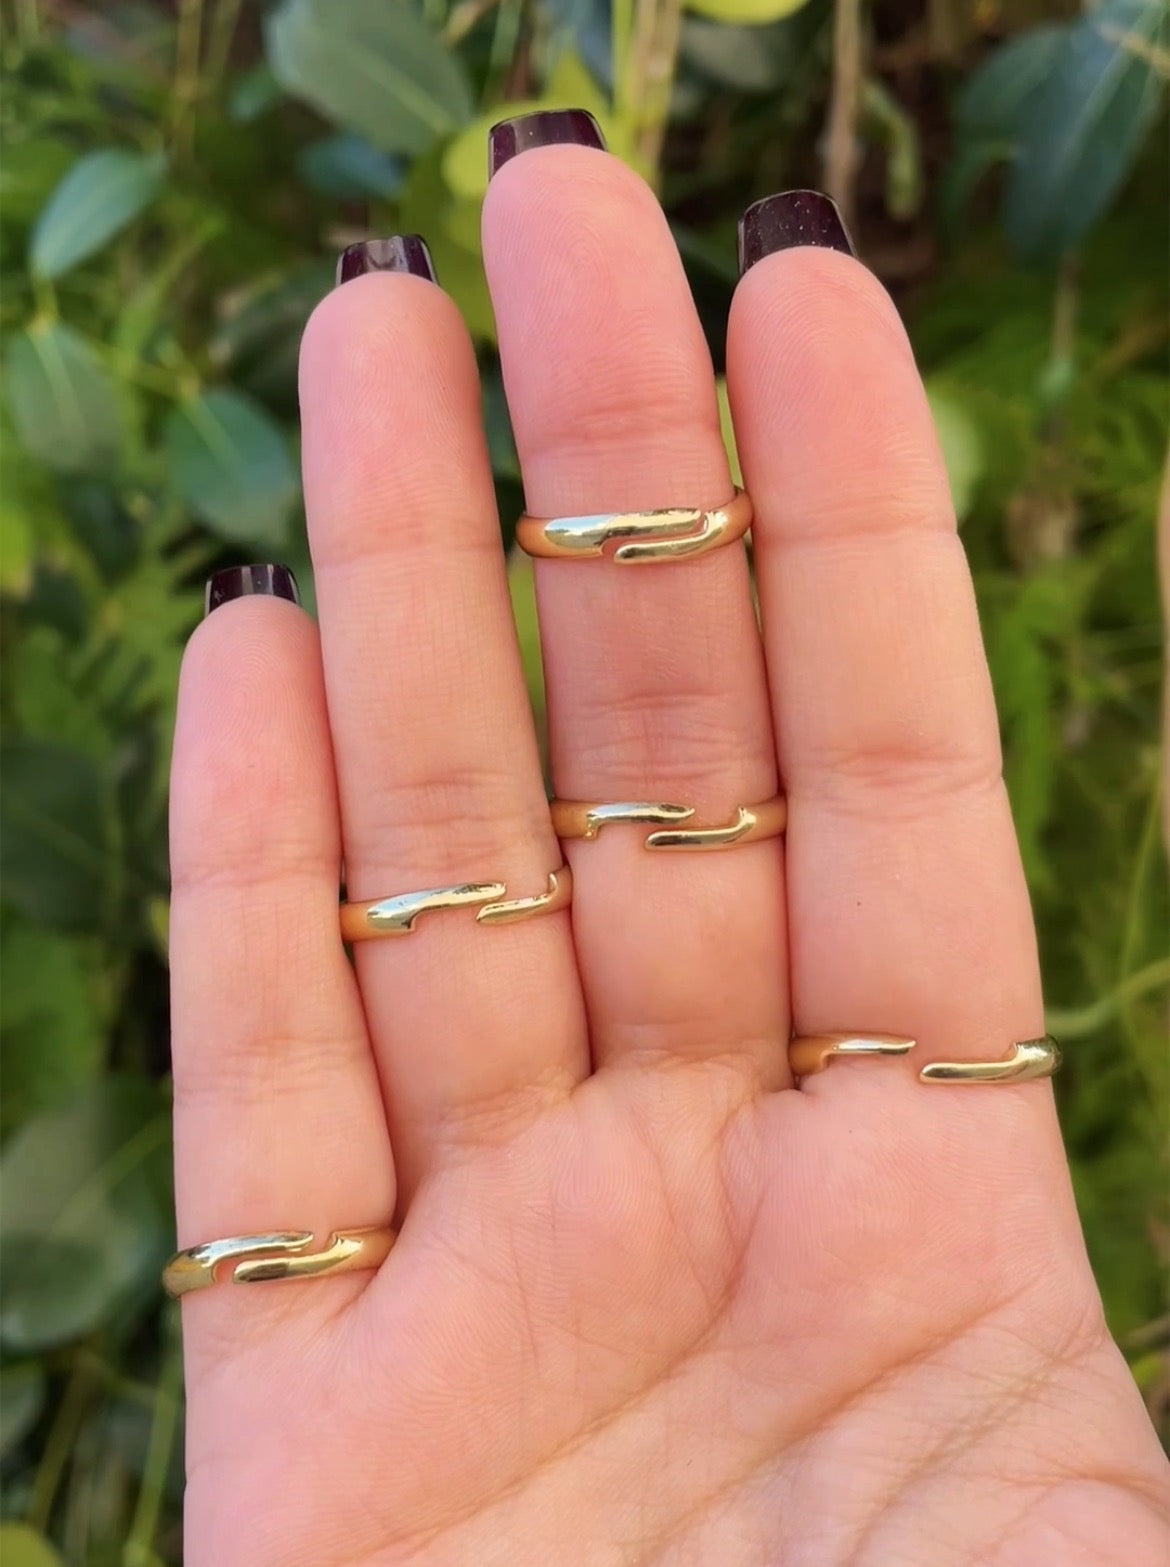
175 182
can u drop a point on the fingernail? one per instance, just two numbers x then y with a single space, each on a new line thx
399 253
546 128
794 217
237 582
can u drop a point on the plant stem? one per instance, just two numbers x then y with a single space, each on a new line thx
622 37
657 30
186 84
28 21
59 1447
463 18
139 1548
845 98
1077 1022
219 43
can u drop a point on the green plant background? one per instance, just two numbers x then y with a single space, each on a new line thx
176 179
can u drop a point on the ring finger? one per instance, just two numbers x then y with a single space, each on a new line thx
655 673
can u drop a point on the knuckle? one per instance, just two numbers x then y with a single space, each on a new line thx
652 735
464 822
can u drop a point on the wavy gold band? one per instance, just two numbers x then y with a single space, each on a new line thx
672 533
283 1254
1030 1058
586 818
397 916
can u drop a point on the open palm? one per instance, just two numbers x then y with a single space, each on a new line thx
648 1303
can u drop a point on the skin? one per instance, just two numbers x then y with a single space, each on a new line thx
650 1303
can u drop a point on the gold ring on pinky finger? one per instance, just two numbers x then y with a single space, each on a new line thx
750 823
283 1254
672 533
396 916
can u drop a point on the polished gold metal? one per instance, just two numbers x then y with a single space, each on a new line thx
1030 1059
397 916
812 1053
284 1254
672 533
558 896
586 818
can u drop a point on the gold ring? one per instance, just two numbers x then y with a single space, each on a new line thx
672 533
811 1053
586 818
396 916
261 1259
1030 1058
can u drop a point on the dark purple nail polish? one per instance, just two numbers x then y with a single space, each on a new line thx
794 217
237 582
399 253
545 128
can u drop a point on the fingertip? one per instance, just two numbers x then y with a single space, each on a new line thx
830 412
816 296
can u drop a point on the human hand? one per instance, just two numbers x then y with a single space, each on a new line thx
648 1303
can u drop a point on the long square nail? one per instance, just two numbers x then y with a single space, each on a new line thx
787 220
545 128
399 253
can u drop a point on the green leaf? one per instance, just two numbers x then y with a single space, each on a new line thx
570 86
51 1033
230 463
733 56
744 12
1081 130
991 103
372 67
989 109
253 94
84 1224
903 152
100 195
962 447
350 168
54 837
64 405
449 223
258 342
23 1546
22 1397
968 166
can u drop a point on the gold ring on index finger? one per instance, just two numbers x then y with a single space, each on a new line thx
670 533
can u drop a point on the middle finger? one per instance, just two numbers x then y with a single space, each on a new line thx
654 673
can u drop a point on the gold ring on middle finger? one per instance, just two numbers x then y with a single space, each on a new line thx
670 533
675 827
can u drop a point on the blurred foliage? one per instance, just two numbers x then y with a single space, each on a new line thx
175 178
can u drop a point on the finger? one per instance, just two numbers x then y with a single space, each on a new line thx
906 896
654 674
437 762
278 1115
